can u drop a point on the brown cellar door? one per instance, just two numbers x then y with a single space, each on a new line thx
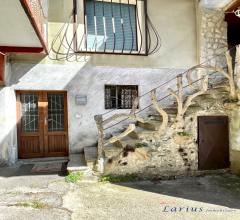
42 124
213 141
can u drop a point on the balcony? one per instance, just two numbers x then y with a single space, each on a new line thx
120 27
23 26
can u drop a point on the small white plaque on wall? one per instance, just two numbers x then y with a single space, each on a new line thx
81 99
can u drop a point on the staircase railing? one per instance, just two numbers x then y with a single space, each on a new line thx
206 71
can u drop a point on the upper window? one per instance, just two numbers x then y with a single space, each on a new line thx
107 27
110 26
120 97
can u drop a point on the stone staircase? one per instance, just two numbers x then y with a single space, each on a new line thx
143 133
146 131
84 162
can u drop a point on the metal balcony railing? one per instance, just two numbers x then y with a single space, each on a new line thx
107 27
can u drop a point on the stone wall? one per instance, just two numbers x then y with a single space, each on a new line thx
174 153
213 36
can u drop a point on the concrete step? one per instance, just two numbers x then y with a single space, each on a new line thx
77 163
90 154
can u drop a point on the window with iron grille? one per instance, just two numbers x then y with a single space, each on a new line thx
120 96
111 26
107 27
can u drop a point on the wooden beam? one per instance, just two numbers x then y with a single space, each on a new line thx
9 49
33 21
232 6
2 68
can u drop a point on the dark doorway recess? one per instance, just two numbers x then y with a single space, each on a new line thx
233 31
213 142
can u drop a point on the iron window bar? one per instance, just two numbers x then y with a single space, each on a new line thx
120 96
127 23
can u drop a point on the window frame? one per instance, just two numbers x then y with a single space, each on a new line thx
133 52
135 30
117 87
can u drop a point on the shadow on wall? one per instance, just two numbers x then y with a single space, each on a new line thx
8 143
30 72
8 151
8 133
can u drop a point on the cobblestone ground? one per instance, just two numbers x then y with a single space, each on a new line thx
25 196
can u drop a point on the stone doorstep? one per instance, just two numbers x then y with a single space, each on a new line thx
77 163
90 154
43 160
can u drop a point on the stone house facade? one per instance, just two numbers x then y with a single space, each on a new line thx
180 34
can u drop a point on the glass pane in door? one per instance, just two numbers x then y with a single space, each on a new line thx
55 112
30 116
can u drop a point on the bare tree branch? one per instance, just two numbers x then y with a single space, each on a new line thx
161 112
114 139
122 115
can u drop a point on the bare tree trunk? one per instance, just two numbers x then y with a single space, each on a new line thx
183 106
161 112
233 93
114 139
237 70
99 123
179 98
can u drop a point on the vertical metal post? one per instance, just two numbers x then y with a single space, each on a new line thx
75 25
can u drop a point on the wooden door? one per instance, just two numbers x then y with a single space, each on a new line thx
213 141
30 129
55 125
42 124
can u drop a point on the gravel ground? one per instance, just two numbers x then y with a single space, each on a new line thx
27 196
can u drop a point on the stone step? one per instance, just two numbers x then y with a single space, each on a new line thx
77 163
112 150
90 154
43 160
134 135
149 125
220 87
158 118
146 135
172 110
